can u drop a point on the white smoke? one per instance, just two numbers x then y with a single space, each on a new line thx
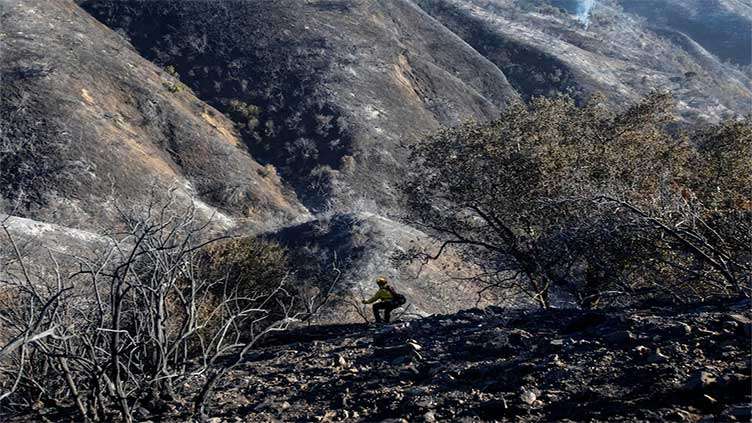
583 11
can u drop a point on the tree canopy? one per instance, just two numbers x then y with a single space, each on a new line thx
587 200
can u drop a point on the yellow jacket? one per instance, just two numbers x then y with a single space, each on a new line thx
382 294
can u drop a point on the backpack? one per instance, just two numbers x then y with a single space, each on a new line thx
399 299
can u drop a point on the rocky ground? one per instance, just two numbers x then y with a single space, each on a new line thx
658 363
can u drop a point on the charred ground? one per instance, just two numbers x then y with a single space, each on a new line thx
648 363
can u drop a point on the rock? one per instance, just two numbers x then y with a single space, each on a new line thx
214 420
707 332
699 381
620 337
399 327
556 344
328 416
341 361
641 350
414 344
657 357
685 328
528 397
683 416
426 403
557 361
429 417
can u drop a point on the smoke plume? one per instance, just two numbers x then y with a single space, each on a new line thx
583 11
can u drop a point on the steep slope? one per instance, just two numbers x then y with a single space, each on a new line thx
328 90
47 250
336 85
325 92
543 49
86 121
722 27
88 124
